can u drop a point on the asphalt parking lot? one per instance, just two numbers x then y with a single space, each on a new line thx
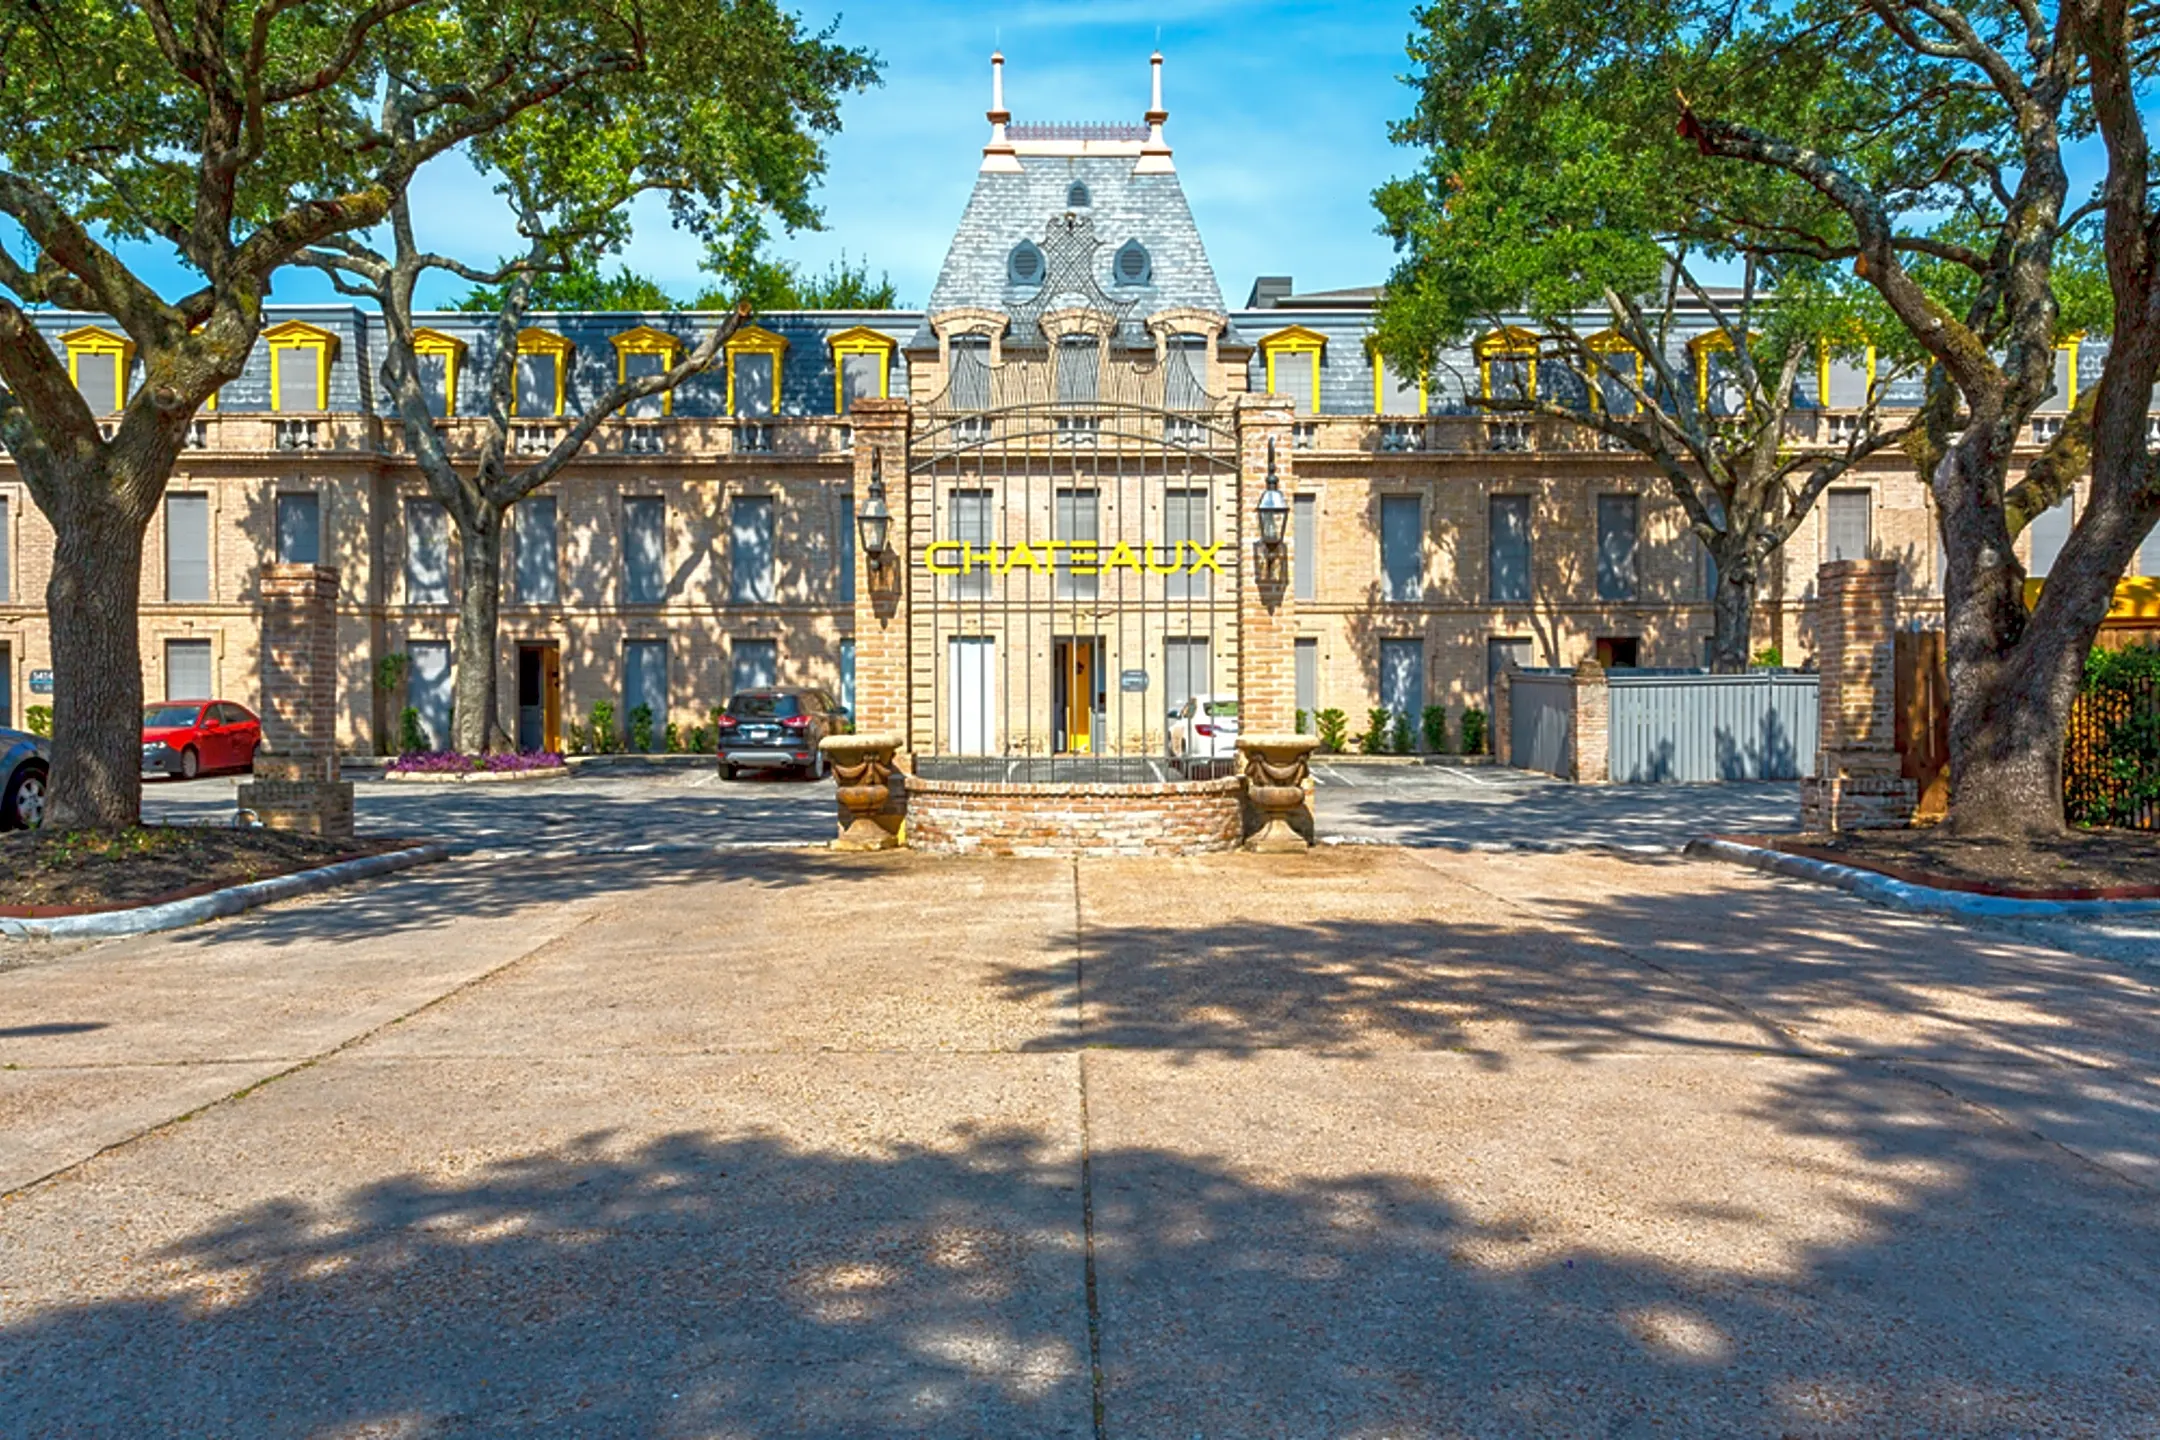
632 806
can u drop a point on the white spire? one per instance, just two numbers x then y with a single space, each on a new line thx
1155 153
998 154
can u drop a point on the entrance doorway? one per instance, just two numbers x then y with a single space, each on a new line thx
1076 694
971 668
539 724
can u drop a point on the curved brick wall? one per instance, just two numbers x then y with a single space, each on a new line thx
1180 818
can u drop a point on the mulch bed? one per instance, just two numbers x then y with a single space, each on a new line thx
47 873
2080 865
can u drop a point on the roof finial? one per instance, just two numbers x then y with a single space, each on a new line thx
999 155
1155 153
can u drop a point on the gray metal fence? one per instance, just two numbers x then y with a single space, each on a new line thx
1688 725
1541 720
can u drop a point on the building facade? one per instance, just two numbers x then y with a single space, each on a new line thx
707 540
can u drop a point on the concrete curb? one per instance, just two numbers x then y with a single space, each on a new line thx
473 777
1513 847
174 914
1903 895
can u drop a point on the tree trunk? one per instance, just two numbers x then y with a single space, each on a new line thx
476 723
97 659
1732 607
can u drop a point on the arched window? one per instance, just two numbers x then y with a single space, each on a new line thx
1131 266
1076 198
1025 266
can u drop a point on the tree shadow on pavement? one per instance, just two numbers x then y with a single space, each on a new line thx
1561 816
744 1286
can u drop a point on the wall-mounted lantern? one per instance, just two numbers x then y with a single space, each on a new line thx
1274 507
874 521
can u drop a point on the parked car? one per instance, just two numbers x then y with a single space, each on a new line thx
1204 730
25 761
778 727
188 737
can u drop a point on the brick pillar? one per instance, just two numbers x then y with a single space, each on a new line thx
1499 726
882 616
1267 615
1593 725
296 784
1857 784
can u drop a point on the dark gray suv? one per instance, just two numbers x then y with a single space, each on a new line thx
25 761
777 727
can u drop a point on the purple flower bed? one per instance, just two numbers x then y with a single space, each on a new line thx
452 762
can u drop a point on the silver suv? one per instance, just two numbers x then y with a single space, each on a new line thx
25 761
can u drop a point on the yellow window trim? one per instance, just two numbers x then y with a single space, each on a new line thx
91 340
546 342
1699 351
1510 342
1294 340
452 351
299 335
1379 386
754 340
860 340
1605 343
1823 357
2069 344
645 340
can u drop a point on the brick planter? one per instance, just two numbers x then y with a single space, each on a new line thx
1192 817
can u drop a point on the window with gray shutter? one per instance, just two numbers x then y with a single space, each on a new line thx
1294 378
638 367
861 378
188 670
187 547
1077 369
1187 516
299 528
1308 680
427 553
1185 379
1848 524
433 373
97 379
753 385
644 537
1848 383
1186 670
7 583
969 388
645 682
1402 549
847 676
1400 391
428 689
1507 559
1402 679
538 569
754 664
2148 552
845 541
1509 376
1304 546
536 384
299 378
1616 515
750 550
2050 531
1077 517
1721 384
967 520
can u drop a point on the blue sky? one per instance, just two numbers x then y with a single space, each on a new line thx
1278 115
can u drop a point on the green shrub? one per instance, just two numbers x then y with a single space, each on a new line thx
1304 719
1769 657
574 739
39 719
390 672
411 739
641 723
700 741
1399 740
1333 728
1436 727
604 738
2111 755
1378 720
674 738
1473 731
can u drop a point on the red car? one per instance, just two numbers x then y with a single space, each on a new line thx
187 737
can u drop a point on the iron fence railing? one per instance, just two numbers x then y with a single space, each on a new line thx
2111 756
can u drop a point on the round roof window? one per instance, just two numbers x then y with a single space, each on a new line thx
1131 266
1025 266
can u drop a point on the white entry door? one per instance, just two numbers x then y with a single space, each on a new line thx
970 687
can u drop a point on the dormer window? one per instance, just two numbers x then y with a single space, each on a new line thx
1076 198
300 356
1131 267
1025 267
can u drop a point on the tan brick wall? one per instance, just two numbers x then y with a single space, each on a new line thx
946 817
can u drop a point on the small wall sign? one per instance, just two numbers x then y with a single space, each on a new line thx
41 682
1132 682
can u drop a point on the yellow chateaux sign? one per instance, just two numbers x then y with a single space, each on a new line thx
1081 557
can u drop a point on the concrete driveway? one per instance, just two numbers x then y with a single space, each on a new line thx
1366 1143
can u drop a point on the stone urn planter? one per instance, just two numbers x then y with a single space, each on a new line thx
862 766
1275 773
